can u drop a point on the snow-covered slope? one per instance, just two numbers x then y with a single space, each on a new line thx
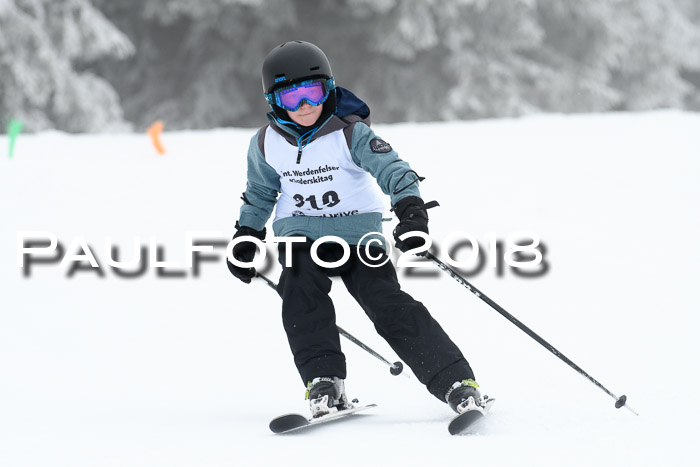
152 371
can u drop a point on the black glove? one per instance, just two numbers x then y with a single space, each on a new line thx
244 251
413 216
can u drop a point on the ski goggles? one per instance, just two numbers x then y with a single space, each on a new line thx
313 91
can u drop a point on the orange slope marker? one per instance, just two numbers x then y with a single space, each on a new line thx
154 132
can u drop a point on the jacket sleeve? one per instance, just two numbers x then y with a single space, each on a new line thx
383 163
262 189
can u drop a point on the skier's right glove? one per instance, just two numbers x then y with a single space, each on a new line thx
244 251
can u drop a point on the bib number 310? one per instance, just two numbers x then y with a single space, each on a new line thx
329 200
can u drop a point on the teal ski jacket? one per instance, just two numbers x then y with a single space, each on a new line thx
393 175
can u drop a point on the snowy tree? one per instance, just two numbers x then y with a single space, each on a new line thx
198 63
691 67
442 59
487 40
621 54
570 56
577 51
656 41
46 48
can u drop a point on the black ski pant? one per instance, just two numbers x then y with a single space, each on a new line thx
308 316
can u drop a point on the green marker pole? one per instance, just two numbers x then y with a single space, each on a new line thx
13 129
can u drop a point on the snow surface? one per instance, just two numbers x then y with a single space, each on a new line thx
188 372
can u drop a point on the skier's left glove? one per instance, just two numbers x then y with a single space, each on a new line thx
245 251
413 216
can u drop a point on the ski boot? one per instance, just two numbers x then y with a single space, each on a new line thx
326 395
464 396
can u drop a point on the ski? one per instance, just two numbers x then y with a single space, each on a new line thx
296 422
472 413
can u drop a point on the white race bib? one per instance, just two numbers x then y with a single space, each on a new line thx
326 182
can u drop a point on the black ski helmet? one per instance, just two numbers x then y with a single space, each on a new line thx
292 61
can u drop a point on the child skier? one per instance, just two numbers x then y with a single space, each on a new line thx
319 154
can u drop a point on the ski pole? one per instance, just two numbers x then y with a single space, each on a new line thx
394 368
619 401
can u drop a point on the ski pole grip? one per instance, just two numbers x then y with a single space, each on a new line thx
396 368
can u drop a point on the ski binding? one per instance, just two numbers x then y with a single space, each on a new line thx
470 412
